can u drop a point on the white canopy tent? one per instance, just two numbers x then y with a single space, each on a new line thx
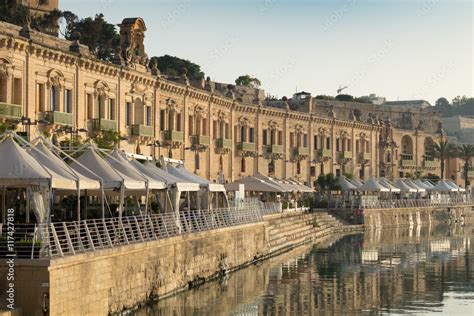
254 184
443 186
118 161
346 185
372 185
422 184
405 188
386 183
428 184
419 189
286 188
20 170
57 166
208 189
455 186
301 187
357 182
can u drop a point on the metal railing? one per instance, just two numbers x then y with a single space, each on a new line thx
70 238
451 201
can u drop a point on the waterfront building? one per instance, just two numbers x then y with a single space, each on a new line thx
220 132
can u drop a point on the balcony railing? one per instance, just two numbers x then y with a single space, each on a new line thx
345 154
10 111
59 118
275 149
470 172
104 125
365 156
201 140
300 151
430 164
142 130
324 153
174 136
223 143
247 147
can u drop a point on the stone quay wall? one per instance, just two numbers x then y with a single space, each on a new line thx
114 280
400 217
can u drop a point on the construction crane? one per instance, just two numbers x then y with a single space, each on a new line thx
341 88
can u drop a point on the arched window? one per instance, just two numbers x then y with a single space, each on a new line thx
54 98
3 88
242 165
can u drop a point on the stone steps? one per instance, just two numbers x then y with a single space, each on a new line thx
289 230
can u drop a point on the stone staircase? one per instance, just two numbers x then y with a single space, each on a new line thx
293 229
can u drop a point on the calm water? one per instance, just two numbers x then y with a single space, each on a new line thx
400 271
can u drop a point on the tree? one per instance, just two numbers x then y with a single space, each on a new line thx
107 139
466 153
175 66
442 102
100 36
324 97
345 97
248 81
443 150
11 11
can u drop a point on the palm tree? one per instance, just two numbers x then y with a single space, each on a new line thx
466 153
443 151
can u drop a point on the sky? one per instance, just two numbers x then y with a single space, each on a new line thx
399 49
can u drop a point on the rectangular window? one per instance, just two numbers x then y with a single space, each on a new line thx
41 95
305 140
328 143
227 130
3 89
315 142
90 106
148 116
128 114
251 136
357 146
337 144
112 109
68 101
17 91
162 120
178 122
264 137
214 130
292 140
243 137
204 127
280 138
54 99
191 125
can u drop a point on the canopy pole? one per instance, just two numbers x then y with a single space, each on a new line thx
147 198
122 193
4 205
78 202
102 199
188 200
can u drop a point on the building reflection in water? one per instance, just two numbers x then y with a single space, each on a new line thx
411 270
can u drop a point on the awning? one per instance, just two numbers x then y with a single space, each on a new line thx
405 188
254 184
372 185
181 172
346 185
58 167
389 185
126 169
92 161
442 186
283 186
18 168
153 171
419 189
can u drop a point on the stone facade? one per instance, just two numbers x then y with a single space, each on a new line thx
217 136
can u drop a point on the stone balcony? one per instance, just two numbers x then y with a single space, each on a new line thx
430 163
59 118
407 161
223 143
10 111
324 153
142 130
104 125
173 136
345 155
246 147
274 149
365 157
300 151
470 173
200 140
